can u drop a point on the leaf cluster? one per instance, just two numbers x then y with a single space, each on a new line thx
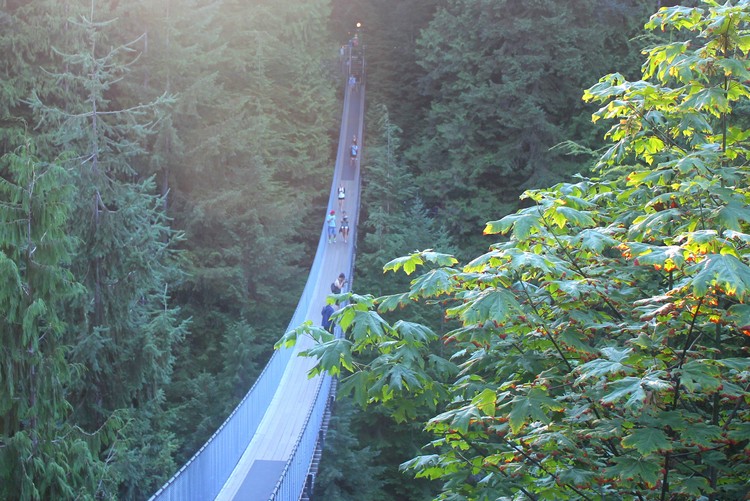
602 345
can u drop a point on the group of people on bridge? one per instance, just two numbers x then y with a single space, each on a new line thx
331 227
330 221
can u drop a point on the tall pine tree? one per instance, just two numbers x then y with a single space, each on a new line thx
504 82
43 453
125 326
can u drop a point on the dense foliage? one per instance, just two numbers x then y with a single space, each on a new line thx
504 82
600 351
410 79
160 166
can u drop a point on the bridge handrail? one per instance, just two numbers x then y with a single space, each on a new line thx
294 475
204 475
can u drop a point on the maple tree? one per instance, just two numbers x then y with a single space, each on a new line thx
599 350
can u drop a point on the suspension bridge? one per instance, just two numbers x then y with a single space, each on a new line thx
269 447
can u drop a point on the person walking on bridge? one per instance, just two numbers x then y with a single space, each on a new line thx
341 196
353 151
331 226
344 230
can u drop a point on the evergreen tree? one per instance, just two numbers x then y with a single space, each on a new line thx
221 115
394 217
30 30
251 158
504 82
389 31
43 454
347 469
125 325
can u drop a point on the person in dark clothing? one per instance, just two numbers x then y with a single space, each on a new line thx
326 312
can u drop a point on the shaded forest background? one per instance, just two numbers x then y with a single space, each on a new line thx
164 171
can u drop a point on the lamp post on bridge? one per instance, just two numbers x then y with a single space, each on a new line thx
356 61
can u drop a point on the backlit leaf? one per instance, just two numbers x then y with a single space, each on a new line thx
434 283
522 224
723 271
408 263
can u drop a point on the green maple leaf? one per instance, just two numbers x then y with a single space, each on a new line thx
573 216
628 467
694 486
652 223
367 325
521 223
414 333
656 255
392 302
711 99
577 476
724 271
627 386
574 289
487 305
700 434
738 364
739 314
408 263
485 401
600 367
700 375
356 384
520 259
595 239
401 377
438 258
459 419
732 215
332 356
434 282
647 441
428 466
534 405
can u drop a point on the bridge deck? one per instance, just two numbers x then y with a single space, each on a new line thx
259 468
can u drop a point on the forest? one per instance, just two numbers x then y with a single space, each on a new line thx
553 242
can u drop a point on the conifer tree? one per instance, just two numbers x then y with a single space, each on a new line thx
43 453
347 469
250 145
504 80
125 325
394 217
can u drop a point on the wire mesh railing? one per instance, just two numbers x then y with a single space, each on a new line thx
293 478
204 475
